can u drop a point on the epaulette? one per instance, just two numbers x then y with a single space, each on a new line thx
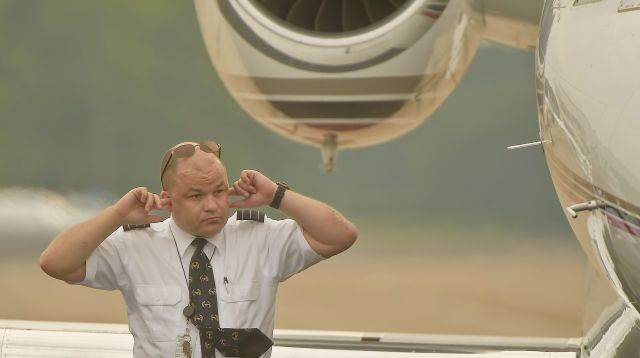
254 215
129 227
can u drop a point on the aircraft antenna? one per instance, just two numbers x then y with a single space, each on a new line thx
329 152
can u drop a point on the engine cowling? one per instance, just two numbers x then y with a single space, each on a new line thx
340 74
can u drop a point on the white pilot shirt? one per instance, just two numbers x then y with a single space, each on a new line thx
249 259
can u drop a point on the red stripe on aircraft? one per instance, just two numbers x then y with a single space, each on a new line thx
621 224
431 14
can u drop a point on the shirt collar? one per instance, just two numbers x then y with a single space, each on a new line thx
184 239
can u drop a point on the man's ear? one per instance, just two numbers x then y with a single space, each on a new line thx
166 196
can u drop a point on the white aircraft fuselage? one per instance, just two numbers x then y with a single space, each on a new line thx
588 84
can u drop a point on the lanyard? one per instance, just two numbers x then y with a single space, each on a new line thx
189 310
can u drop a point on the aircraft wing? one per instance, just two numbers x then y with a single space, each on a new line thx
87 340
513 23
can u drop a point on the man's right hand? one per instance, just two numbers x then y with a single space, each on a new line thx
135 206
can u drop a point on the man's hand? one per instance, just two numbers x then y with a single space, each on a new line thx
257 190
134 207
325 229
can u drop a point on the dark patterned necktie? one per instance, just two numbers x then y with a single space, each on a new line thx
231 342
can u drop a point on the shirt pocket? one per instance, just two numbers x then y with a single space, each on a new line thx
238 303
240 291
159 310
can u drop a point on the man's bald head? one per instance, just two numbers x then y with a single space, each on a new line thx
205 155
197 188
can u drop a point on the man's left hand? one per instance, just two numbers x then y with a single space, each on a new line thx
256 189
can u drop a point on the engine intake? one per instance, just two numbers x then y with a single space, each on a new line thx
330 17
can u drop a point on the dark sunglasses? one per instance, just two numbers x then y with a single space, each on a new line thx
188 149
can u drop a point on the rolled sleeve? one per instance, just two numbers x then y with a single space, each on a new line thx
104 266
311 257
289 252
90 269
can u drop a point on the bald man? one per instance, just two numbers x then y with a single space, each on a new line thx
201 283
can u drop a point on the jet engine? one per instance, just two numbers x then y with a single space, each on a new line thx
340 73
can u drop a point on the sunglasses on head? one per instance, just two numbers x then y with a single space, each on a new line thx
188 149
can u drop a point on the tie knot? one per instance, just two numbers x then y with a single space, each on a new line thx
199 243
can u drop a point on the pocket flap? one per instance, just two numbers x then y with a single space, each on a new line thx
157 295
240 291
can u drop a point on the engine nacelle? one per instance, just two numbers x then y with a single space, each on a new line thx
340 74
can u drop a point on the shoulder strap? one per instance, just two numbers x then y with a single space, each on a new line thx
247 214
129 227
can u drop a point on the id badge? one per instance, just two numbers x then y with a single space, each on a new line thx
183 345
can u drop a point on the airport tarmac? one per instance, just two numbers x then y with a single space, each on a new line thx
530 290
